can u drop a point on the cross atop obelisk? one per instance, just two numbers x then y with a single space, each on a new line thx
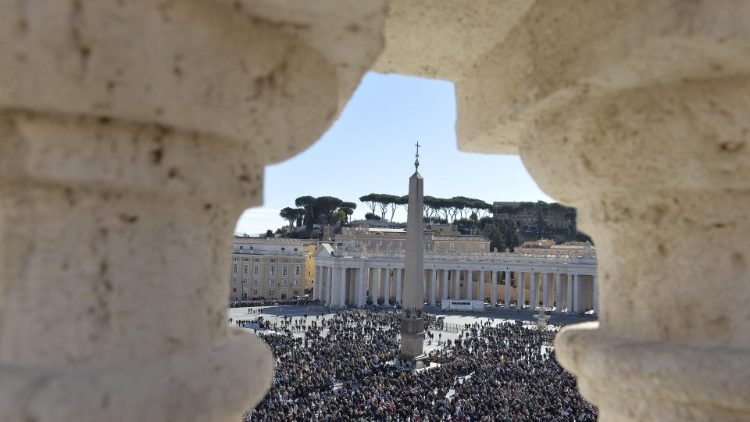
416 160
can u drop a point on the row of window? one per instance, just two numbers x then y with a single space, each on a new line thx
271 269
271 293
271 282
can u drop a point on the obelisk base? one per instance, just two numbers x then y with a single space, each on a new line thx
412 338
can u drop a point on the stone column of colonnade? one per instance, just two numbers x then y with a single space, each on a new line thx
132 136
493 288
638 115
444 286
433 287
456 293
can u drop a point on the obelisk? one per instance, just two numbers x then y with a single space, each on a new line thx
412 323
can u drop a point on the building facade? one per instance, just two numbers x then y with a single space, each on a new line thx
267 268
350 272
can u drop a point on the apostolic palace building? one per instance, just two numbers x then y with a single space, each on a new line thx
366 265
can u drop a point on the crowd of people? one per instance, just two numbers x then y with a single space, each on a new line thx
341 367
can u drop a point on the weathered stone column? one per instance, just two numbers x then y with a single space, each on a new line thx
132 136
558 292
662 177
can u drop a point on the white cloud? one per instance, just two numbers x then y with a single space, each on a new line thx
255 221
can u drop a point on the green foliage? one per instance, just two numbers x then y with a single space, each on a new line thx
292 214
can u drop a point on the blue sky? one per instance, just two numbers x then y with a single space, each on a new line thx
370 149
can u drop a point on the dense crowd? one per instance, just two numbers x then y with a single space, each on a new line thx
342 369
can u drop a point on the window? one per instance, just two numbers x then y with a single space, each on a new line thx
246 259
284 270
234 290
244 282
255 293
240 246
295 282
272 270
283 249
283 282
295 249
452 245
273 259
244 288
271 282
296 270
256 269
255 282
257 259
244 269
234 280
234 268
272 293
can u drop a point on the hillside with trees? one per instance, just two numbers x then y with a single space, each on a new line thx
506 224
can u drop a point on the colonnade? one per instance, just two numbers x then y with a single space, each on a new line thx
340 286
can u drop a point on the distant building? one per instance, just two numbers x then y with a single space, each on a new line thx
273 268
394 239
365 265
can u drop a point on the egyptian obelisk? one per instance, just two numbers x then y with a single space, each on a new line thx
412 323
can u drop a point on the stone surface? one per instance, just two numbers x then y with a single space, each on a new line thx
412 324
412 337
132 135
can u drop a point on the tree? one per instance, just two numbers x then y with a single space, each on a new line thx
457 205
291 215
431 205
269 233
370 200
391 202
325 206
348 209
348 212
306 202
339 216
372 217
